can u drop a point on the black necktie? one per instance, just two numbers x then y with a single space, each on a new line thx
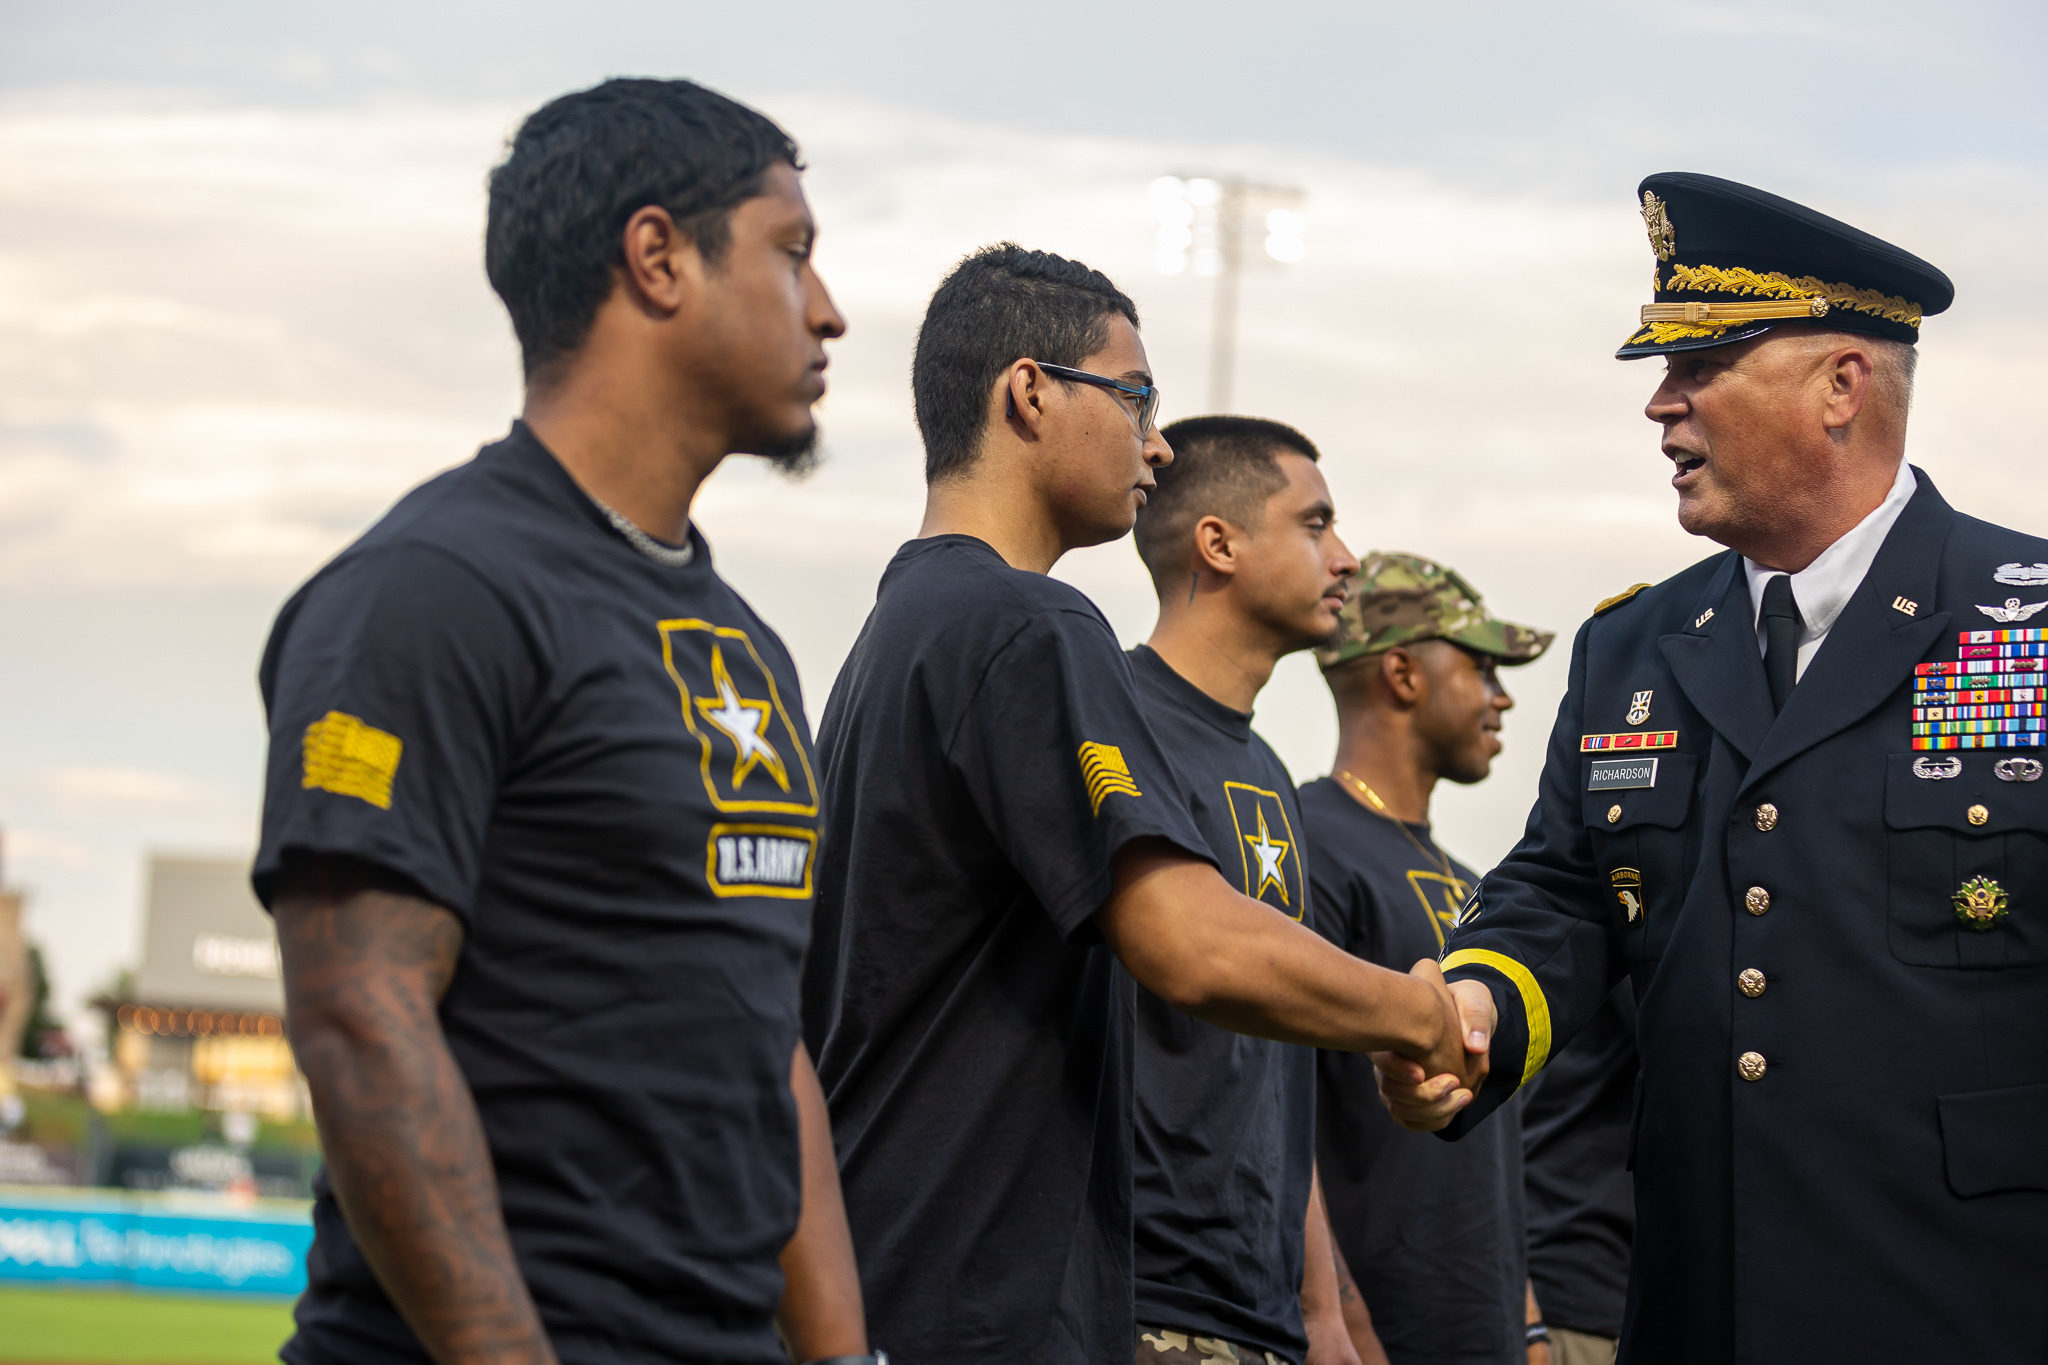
1781 639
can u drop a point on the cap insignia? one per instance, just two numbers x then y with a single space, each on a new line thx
1657 218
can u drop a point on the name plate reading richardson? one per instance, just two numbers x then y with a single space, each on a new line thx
1616 774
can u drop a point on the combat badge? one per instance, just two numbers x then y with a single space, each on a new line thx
2012 610
2017 769
2021 575
1980 903
1628 891
1639 708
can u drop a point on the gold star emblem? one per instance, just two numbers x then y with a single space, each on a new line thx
1270 851
743 721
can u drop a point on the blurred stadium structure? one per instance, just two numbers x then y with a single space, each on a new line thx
1207 224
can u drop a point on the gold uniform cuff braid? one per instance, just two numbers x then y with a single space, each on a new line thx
1535 1009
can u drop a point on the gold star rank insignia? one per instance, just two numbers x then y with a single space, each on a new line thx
745 722
1269 852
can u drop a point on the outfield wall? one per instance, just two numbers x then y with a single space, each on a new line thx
175 1241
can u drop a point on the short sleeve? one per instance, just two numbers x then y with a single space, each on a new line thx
1055 751
393 684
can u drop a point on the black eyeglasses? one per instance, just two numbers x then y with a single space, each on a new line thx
1147 395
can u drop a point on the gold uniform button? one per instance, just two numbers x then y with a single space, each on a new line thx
1751 1066
1978 814
1752 982
1757 899
1614 813
1767 817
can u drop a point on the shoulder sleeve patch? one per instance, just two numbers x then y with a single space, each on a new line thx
349 758
1609 603
1104 770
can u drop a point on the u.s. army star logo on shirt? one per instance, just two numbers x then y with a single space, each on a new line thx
753 757
1268 853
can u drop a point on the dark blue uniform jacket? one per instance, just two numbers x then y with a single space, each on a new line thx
1880 1190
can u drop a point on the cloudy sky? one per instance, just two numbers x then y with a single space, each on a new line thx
242 309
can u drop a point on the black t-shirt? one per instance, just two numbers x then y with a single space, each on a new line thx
1432 1230
1582 1200
1225 1141
600 764
984 756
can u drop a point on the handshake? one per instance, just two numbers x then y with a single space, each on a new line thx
1424 1093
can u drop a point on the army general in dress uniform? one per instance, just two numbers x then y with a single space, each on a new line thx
1795 794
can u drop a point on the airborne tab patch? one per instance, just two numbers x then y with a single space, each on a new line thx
349 758
1104 770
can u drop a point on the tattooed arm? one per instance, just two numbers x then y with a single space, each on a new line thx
1357 1317
365 965
1322 1311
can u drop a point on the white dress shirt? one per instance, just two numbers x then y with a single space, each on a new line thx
1825 586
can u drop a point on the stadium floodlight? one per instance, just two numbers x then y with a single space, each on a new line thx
1176 224
1283 236
1204 223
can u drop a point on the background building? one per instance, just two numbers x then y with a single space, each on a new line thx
205 1026
17 989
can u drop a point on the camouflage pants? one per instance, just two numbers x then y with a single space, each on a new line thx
1158 1346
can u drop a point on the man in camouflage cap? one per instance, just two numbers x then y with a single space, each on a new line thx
1414 668
1397 599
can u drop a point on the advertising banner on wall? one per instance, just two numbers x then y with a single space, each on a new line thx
177 1242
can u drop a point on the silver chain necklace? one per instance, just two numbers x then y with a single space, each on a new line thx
668 556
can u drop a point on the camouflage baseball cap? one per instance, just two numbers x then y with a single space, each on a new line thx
1397 599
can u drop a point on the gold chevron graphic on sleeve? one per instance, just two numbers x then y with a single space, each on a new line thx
1104 770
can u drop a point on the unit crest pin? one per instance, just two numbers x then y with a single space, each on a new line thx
1639 708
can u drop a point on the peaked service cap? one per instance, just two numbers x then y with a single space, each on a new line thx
1399 599
1733 261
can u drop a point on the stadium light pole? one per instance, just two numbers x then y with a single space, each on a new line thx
1205 223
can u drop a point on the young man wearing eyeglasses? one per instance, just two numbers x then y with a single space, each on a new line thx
1001 825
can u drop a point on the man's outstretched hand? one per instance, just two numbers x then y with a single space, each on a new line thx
1425 1095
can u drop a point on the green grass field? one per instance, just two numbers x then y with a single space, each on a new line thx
116 1327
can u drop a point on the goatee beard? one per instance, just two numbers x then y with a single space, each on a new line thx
796 458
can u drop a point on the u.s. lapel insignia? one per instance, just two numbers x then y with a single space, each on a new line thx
2013 610
1980 903
1639 709
2021 575
1703 618
1935 769
1628 891
1906 605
